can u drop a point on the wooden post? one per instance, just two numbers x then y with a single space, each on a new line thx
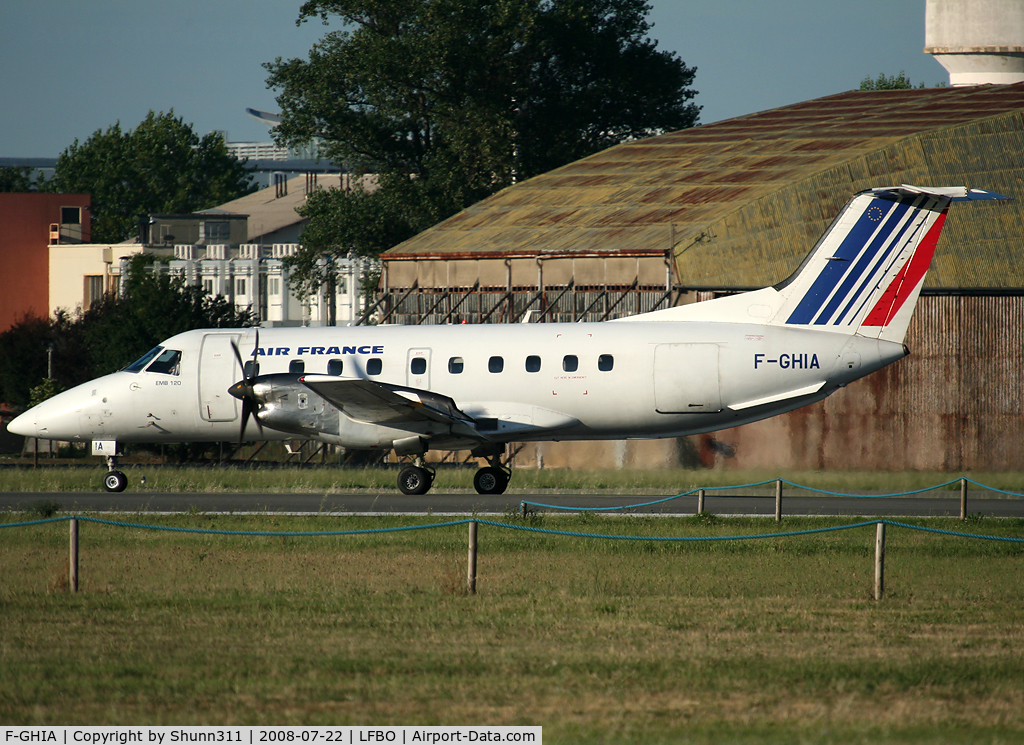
471 569
778 500
963 499
73 557
880 561
700 502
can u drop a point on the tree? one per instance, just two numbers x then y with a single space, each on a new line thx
162 166
888 83
450 101
110 334
17 179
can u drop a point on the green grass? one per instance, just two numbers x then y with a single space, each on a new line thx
328 479
773 640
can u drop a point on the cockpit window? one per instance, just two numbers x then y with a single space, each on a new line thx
168 363
140 364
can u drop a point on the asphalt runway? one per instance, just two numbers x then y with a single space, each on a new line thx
462 503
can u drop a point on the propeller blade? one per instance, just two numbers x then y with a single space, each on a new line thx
243 389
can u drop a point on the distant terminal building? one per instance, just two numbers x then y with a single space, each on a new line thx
737 205
236 250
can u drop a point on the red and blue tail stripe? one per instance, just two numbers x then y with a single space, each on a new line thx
884 230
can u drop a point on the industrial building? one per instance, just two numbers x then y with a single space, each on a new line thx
736 205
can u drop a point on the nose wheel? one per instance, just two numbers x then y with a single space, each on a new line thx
114 481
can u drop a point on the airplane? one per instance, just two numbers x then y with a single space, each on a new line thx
842 315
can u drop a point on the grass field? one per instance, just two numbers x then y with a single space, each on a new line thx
774 640
328 479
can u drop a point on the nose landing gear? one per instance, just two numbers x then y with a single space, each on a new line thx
114 481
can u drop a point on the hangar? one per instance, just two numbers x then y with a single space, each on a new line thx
735 205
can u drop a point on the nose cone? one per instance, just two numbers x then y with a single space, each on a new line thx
60 417
24 424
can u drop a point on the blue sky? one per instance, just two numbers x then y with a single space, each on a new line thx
68 68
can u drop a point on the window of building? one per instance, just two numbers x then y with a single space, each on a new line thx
335 367
374 366
70 215
418 366
455 365
496 364
208 286
297 367
275 286
217 230
605 362
570 363
533 363
168 363
239 286
93 290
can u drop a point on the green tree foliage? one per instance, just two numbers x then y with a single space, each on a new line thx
888 82
109 335
17 179
161 166
451 100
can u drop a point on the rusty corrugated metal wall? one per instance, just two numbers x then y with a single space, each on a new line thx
955 404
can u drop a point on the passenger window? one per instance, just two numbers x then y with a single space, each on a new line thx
297 367
168 363
418 366
455 365
496 364
533 363
570 363
251 369
605 362
335 367
374 366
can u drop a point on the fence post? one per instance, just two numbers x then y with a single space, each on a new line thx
778 500
879 561
471 569
963 499
73 557
700 502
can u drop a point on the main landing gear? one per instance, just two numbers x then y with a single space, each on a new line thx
114 481
417 478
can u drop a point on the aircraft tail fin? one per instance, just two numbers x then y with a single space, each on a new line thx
865 273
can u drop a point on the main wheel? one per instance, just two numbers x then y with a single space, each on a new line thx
414 480
490 480
115 481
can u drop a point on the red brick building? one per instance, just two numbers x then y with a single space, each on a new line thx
29 223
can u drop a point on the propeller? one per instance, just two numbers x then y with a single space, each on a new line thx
243 389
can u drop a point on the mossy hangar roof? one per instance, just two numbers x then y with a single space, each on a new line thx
740 202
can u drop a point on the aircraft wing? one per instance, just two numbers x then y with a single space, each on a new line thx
384 403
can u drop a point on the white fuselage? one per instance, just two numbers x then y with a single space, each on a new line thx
611 380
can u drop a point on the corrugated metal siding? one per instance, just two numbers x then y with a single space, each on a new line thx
955 404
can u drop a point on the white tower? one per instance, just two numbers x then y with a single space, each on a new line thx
978 41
